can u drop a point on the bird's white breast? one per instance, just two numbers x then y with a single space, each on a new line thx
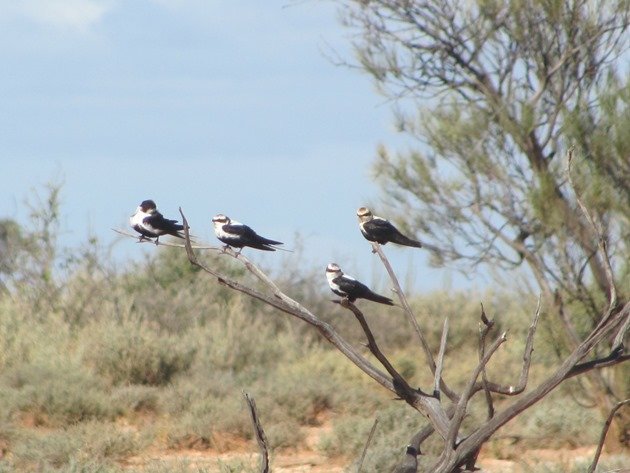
220 232
137 218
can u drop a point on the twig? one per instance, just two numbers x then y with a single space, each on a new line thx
460 410
260 434
367 444
402 387
411 318
487 326
518 388
166 243
615 357
440 360
602 437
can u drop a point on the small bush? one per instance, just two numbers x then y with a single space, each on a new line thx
56 395
132 353
77 445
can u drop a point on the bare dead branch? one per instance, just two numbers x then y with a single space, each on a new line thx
440 360
423 403
376 248
615 357
447 422
460 410
527 360
367 444
261 438
325 329
471 443
403 389
166 243
600 444
483 333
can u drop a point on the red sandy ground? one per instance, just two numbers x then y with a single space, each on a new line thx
309 460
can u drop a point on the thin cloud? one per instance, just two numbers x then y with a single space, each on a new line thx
78 15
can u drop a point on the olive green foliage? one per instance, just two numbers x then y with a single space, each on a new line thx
495 94
518 114
154 357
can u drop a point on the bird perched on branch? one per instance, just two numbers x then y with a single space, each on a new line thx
348 287
410 463
382 231
151 224
238 235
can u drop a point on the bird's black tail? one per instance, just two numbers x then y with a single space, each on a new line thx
372 296
267 241
406 241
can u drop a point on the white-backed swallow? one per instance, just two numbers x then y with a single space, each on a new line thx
382 231
151 224
348 287
238 235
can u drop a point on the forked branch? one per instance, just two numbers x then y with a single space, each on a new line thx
402 387
427 405
511 390
376 248
487 326
468 392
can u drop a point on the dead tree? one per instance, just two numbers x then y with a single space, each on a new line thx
444 407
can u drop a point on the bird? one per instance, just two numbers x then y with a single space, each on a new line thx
410 463
348 287
382 231
150 223
238 235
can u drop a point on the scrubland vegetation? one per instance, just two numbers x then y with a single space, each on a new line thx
109 369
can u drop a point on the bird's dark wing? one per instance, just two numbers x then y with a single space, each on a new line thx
165 225
379 230
142 230
357 290
382 231
350 287
240 230
249 237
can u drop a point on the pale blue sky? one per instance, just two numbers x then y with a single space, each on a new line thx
216 106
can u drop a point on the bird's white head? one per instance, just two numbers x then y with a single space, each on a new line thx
364 214
333 270
220 219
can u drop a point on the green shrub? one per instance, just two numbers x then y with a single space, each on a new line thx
77 445
56 394
132 353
